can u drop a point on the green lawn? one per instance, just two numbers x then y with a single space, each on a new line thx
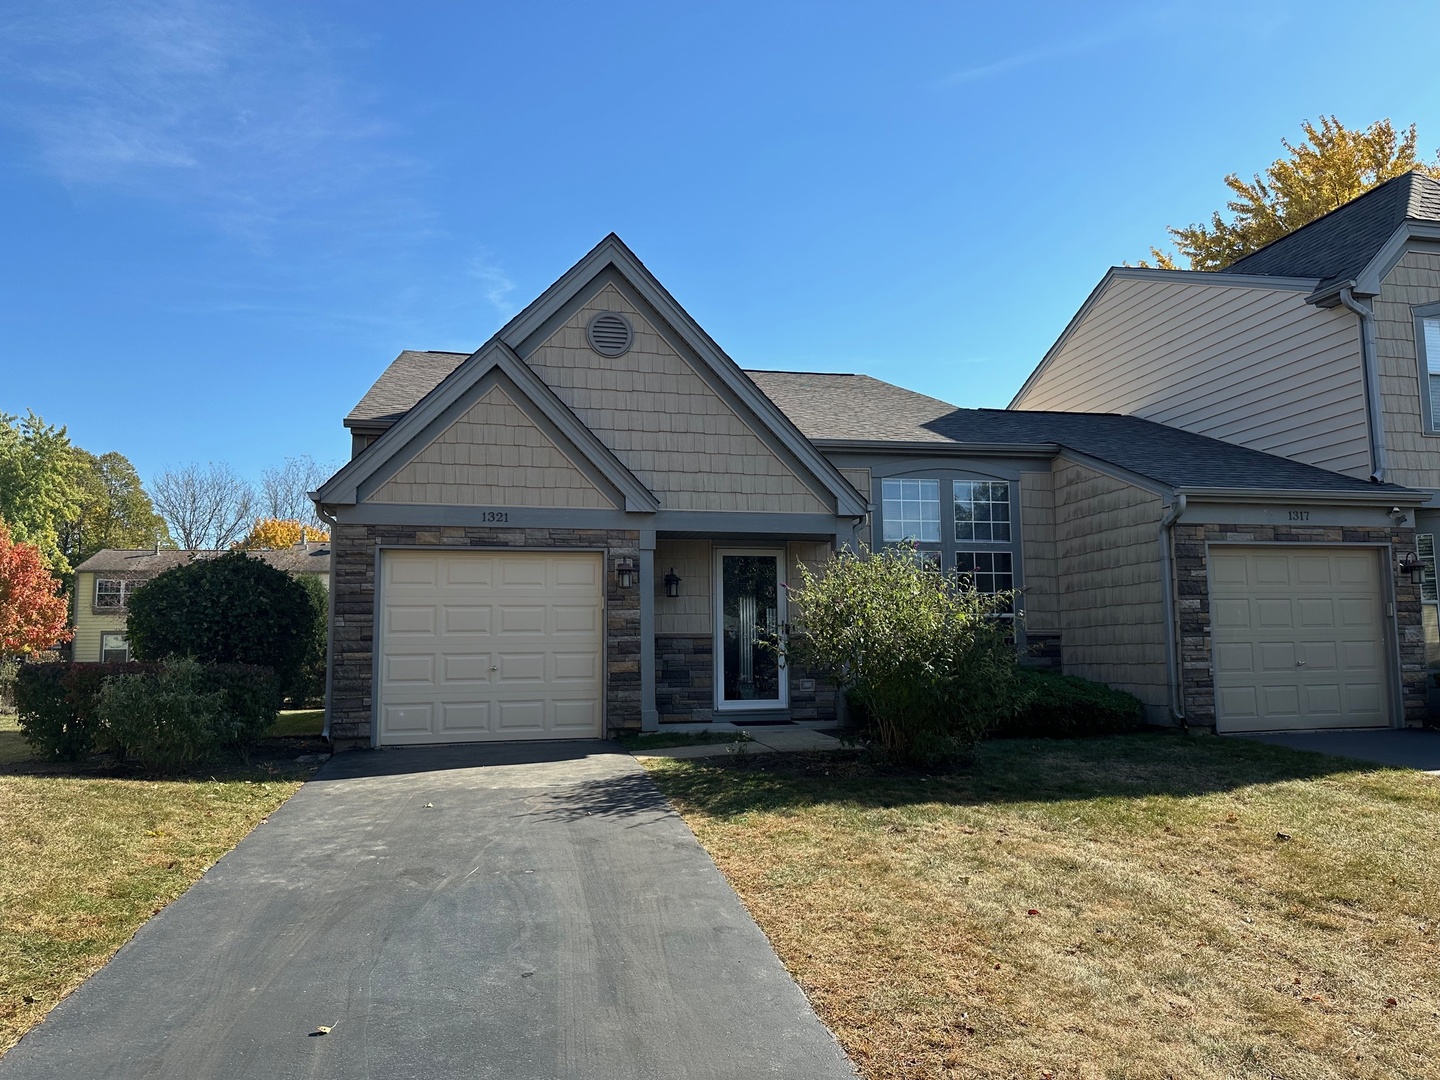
1130 907
294 722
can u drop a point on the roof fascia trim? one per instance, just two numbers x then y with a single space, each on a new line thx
1119 472
945 449
1270 495
1367 282
1145 273
612 252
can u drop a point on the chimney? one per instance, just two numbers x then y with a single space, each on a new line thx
301 541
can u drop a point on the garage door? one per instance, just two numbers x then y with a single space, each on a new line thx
480 646
1299 639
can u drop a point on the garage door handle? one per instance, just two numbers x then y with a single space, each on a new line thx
495 668
1298 663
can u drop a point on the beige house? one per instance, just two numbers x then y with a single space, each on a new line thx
588 525
104 582
1323 347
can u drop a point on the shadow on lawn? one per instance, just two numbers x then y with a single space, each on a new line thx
1019 770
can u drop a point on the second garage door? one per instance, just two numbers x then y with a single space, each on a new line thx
488 646
1299 639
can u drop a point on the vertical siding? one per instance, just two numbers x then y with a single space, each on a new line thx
1108 571
1253 366
492 456
688 613
1414 457
860 480
664 422
1037 551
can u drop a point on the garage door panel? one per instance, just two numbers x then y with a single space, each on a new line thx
491 645
1298 639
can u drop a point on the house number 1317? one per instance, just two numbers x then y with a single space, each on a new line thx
1299 515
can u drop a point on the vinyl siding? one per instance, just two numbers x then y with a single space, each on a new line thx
660 418
494 455
1037 551
688 613
1108 573
1253 366
89 625
1414 457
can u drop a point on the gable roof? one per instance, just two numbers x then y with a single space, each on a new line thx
848 409
1338 246
410 376
313 558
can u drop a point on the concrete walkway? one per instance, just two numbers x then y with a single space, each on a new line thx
1406 748
526 912
763 740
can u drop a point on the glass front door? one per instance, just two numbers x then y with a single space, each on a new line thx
750 614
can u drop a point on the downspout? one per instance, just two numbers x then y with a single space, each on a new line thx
1167 592
1369 366
329 618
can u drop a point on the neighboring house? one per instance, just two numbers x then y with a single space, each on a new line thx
588 525
104 582
1323 347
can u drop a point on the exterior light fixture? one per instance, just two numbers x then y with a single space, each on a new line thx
1410 564
625 573
672 583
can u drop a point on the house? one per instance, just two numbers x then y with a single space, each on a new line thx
1323 347
587 526
104 582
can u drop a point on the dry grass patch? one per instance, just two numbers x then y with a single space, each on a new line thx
85 858
1133 907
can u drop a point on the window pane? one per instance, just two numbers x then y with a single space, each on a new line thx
1425 548
1435 401
982 510
912 510
1432 345
108 593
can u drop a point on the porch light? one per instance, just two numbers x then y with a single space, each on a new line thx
672 583
625 573
1410 564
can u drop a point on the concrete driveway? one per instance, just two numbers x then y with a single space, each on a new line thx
513 911
1405 748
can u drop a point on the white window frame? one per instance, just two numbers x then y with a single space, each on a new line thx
104 648
119 595
717 599
1424 362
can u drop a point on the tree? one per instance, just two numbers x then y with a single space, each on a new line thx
284 490
32 611
40 483
274 533
114 510
205 508
1333 165
226 609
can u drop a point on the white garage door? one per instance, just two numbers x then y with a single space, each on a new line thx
1299 639
480 646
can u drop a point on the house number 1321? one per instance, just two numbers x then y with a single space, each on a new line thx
1299 515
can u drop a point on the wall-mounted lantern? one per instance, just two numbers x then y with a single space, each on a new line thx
625 572
672 583
1410 564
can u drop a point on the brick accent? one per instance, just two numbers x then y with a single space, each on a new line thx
1042 650
1192 582
353 551
685 678
818 703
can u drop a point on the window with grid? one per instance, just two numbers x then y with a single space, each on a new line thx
988 572
1427 334
982 510
109 593
912 510
114 648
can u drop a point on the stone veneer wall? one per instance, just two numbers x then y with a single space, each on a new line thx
353 551
1193 584
685 683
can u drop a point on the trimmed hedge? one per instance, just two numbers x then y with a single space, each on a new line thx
62 718
1066 707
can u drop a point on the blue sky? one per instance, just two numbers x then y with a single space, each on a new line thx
221 221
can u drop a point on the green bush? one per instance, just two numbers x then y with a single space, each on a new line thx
168 720
57 706
927 662
309 688
232 609
250 698
1064 706
9 668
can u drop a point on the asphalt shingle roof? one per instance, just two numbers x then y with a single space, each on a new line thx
313 558
834 407
1338 246
410 376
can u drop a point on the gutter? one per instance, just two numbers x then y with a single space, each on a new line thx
330 615
1370 368
1167 593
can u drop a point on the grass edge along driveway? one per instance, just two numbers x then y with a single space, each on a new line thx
1141 906
86 858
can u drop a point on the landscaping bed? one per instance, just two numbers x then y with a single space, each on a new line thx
1130 906
90 850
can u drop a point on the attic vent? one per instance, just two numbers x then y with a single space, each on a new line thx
609 334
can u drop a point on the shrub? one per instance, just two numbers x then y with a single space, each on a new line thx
168 720
250 697
310 684
57 706
231 609
928 663
9 668
1064 706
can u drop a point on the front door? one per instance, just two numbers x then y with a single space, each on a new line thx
749 615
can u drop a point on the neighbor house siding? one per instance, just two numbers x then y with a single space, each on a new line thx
1414 457
89 624
494 455
659 417
1108 558
1253 366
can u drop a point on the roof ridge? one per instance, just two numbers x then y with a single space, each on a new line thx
1382 186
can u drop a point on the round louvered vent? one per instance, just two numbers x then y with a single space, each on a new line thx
609 334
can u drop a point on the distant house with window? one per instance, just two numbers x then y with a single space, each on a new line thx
105 581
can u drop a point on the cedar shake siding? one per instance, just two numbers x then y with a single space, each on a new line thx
1414 457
